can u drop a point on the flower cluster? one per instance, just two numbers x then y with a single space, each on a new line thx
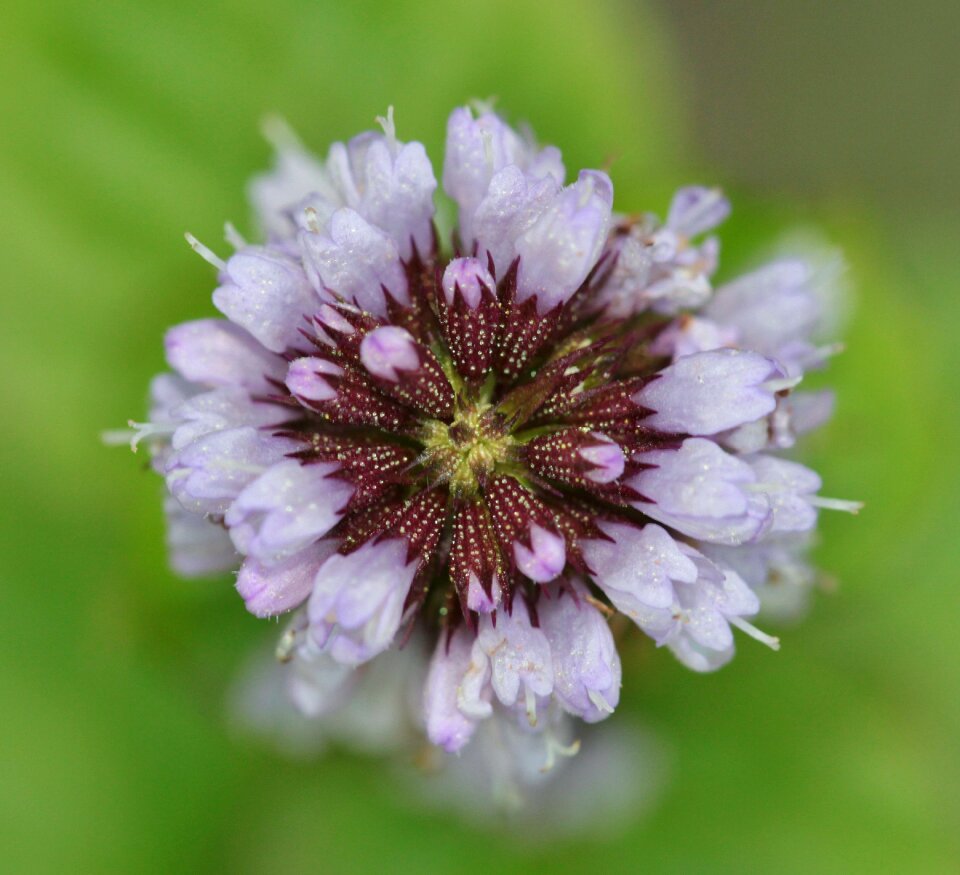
508 451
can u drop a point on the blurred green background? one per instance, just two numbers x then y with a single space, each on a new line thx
125 124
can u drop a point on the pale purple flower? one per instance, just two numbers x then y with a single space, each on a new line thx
198 546
486 453
561 246
697 629
268 294
637 568
354 260
286 509
586 666
217 353
710 392
513 656
271 589
702 491
207 476
447 726
389 349
357 600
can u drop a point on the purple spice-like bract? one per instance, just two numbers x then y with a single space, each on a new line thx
512 450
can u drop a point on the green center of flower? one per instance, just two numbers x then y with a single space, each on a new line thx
468 450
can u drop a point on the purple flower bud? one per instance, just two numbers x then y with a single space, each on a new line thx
606 456
477 597
710 392
587 459
471 316
384 351
306 379
544 559
407 370
342 395
476 565
330 319
472 279
525 530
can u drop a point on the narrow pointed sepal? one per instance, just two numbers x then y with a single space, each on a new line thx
476 564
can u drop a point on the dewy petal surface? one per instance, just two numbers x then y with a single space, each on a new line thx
357 600
560 248
586 667
286 509
268 590
268 294
218 353
354 261
447 726
710 392
703 492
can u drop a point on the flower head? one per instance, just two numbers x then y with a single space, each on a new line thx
496 448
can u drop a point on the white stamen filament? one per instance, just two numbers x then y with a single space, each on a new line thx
853 507
388 125
599 701
233 236
286 645
555 748
313 220
487 138
779 385
116 437
137 432
279 134
771 641
531 705
822 353
208 255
